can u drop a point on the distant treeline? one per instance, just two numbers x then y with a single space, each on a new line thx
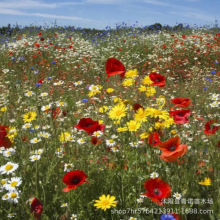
15 29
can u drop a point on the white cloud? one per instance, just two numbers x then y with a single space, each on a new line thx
34 4
25 4
194 15
108 2
13 7
16 12
156 2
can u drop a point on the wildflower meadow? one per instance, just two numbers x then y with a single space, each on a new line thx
115 124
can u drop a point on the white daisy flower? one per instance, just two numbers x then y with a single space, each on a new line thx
26 126
46 107
154 175
13 183
81 141
93 88
8 168
39 151
110 143
134 144
97 134
5 70
11 215
46 127
140 200
59 152
61 104
44 94
68 167
64 205
40 134
4 181
13 196
5 197
78 83
35 140
73 217
8 152
34 158
58 83
177 195
114 149
29 93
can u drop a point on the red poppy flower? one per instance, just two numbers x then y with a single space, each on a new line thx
95 141
158 80
180 116
181 102
90 126
172 149
210 127
4 140
37 208
176 216
73 179
136 106
114 67
157 190
154 139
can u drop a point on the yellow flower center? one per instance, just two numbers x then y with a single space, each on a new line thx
105 202
118 113
13 184
3 182
8 167
13 195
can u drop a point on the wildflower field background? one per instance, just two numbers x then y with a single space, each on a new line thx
114 124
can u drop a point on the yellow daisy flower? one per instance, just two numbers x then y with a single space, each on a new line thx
105 202
109 90
131 74
147 80
133 125
128 82
117 112
141 115
150 91
29 116
206 182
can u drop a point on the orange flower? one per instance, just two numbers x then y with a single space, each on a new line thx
172 149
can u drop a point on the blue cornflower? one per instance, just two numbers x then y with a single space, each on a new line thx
32 130
49 78
38 84
53 62
213 72
13 58
205 89
167 217
85 100
32 68
216 62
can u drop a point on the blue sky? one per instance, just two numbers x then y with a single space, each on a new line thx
101 13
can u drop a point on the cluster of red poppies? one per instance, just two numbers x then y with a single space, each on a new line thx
4 140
